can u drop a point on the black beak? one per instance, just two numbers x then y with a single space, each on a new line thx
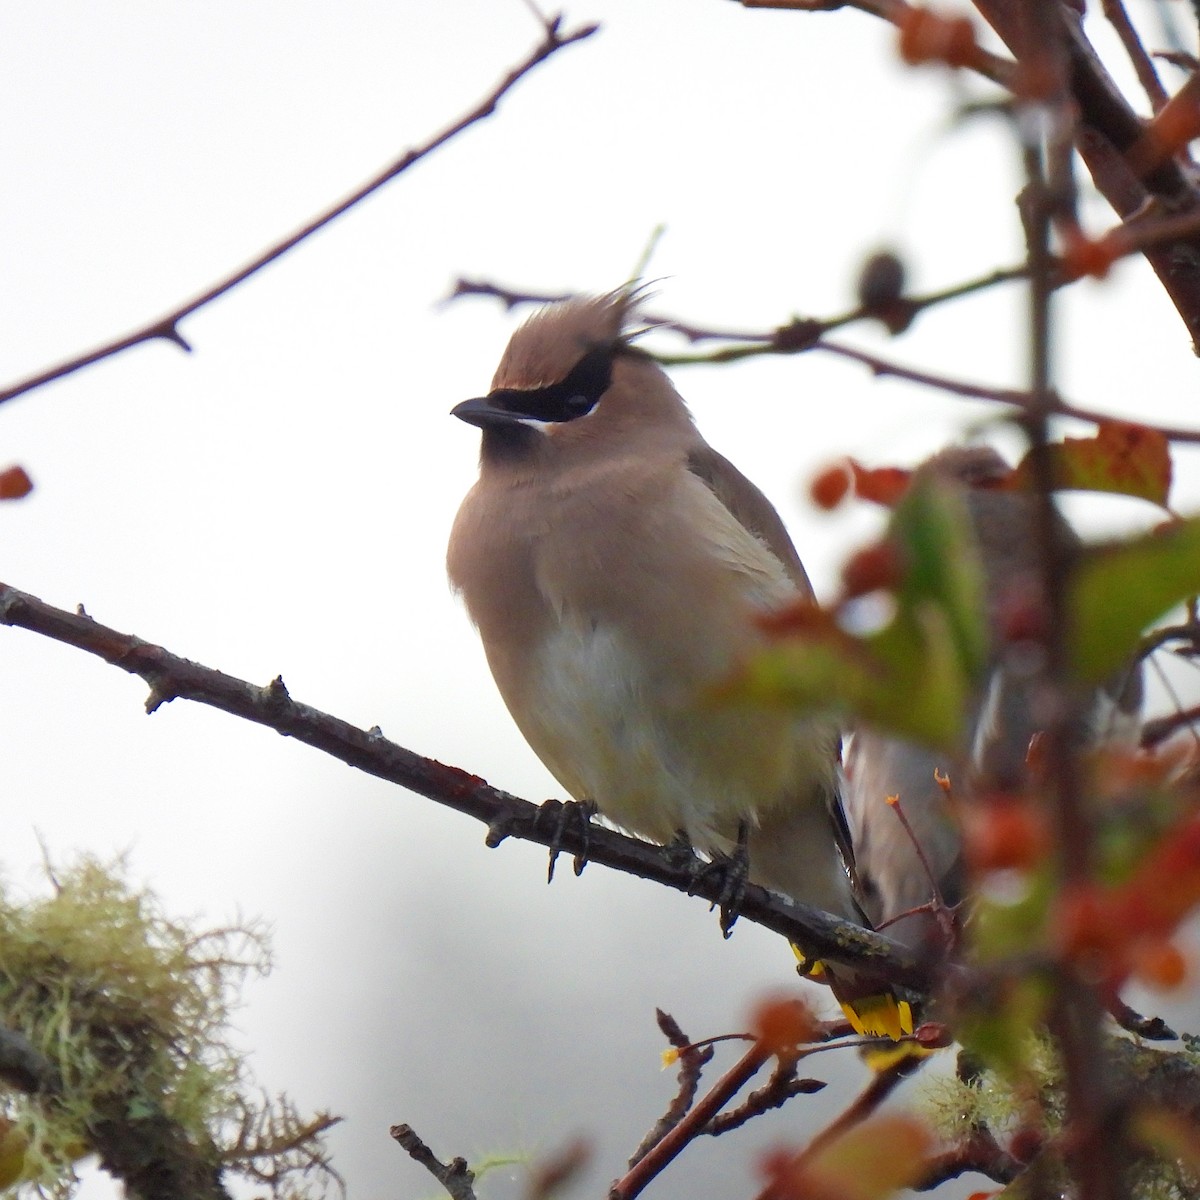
484 413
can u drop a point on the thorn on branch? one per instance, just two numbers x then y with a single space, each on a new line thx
275 695
499 830
167 327
169 332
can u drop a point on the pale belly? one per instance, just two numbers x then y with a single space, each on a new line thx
658 756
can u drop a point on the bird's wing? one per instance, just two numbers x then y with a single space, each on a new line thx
749 507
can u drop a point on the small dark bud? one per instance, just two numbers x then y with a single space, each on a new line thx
1025 1144
881 291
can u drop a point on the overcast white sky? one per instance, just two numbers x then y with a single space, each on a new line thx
278 502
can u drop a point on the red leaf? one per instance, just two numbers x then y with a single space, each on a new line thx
783 1024
883 485
927 37
1128 459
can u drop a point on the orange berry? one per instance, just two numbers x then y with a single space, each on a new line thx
14 483
1159 964
871 569
1004 834
829 487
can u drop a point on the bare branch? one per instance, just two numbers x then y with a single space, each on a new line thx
802 331
1155 732
980 1152
1106 129
991 66
692 1061
692 1126
171 677
167 326
1075 1014
775 1093
455 1176
803 334
1143 64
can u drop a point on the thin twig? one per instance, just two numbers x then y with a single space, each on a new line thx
171 677
799 331
775 1093
167 326
455 1176
991 66
1142 63
692 1126
692 1061
1155 732
805 334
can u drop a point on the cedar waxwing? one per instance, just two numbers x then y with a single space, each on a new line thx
614 564
891 879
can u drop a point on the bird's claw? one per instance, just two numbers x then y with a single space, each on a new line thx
729 873
562 815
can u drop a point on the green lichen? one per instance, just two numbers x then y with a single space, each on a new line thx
131 1008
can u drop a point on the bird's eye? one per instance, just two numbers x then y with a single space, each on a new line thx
572 397
579 406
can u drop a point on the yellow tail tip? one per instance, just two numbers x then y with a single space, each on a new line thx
810 968
880 1056
879 1016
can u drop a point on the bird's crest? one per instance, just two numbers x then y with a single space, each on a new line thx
555 338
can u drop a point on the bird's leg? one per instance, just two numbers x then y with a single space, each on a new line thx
730 871
562 815
735 870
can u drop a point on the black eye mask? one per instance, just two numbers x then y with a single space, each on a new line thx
572 397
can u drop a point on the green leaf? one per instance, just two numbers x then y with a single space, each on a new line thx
914 677
933 528
1119 589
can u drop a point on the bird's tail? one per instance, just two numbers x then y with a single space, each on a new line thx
873 1008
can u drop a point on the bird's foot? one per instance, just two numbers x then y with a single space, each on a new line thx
562 816
1154 1029
728 873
